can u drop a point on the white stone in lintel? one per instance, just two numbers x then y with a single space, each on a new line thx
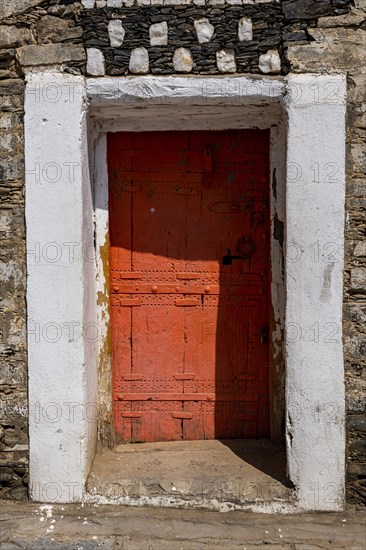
88 4
95 62
114 3
101 3
176 2
233 2
158 33
199 2
225 60
182 60
247 1
245 29
270 62
204 30
139 61
116 33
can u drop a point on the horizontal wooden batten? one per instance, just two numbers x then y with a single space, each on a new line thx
182 415
129 302
132 377
185 397
186 303
189 276
185 376
130 275
235 290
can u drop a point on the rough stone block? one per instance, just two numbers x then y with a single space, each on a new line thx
204 30
158 33
49 54
139 61
352 19
13 373
10 103
358 469
182 60
225 60
12 87
355 391
270 62
14 409
95 62
11 37
358 447
116 33
306 9
357 88
358 277
12 169
356 187
16 6
358 156
333 50
356 314
360 249
5 121
55 29
245 29
357 423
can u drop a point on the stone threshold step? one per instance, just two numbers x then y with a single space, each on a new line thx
218 475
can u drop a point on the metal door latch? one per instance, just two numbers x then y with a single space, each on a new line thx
244 249
228 258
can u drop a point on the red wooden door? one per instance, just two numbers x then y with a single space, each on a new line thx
189 271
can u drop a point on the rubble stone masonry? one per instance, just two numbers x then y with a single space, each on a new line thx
121 37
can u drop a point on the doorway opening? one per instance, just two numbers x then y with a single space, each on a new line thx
306 375
189 227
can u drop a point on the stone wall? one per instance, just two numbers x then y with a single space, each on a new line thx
13 357
118 37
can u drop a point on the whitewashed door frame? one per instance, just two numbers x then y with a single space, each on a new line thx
66 120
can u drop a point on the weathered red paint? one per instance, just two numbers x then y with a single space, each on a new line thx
189 271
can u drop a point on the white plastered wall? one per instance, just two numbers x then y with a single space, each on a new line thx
315 206
60 288
314 128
